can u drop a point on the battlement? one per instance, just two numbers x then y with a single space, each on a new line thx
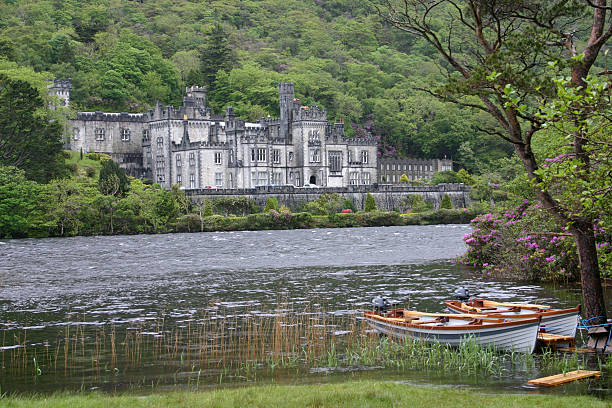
199 145
361 141
286 88
111 117
62 84
310 113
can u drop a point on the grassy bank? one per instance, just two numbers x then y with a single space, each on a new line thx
275 220
352 394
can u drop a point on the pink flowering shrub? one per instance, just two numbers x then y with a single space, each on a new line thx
526 243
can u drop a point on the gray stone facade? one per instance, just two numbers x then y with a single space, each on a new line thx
390 170
196 149
388 197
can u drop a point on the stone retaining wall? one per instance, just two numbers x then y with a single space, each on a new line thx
388 197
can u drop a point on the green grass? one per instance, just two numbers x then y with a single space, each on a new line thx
351 394
75 157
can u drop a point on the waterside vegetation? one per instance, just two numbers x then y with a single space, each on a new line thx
248 346
98 199
356 394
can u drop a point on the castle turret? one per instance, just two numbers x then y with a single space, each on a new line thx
286 95
195 96
61 89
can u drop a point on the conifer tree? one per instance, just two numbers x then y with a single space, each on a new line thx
112 179
446 202
215 56
370 203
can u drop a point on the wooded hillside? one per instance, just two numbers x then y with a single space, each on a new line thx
125 55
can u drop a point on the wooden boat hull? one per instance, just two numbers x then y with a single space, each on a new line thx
555 321
519 335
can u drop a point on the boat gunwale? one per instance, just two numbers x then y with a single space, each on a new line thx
464 327
451 305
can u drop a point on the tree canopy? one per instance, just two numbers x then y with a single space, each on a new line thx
125 55
29 138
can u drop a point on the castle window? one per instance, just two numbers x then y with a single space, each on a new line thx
99 132
276 178
219 180
230 180
261 154
146 134
230 159
217 157
179 179
253 178
178 161
253 155
75 133
365 178
313 135
160 142
364 156
192 181
354 180
290 156
335 161
315 155
192 159
276 156
262 178
125 134
159 168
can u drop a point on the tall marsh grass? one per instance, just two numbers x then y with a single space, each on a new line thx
245 346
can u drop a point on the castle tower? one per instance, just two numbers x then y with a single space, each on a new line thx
61 89
195 95
286 95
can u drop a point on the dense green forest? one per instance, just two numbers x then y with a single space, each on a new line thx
125 55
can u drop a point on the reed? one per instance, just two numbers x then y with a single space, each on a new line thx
245 346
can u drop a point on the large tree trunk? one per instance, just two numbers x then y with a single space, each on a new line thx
592 292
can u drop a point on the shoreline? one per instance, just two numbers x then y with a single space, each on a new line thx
345 394
275 220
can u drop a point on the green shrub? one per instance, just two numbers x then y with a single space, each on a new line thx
327 203
73 167
90 171
188 223
348 204
404 179
415 203
446 176
382 219
112 179
370 203
446 202
235 205
208 208
271 204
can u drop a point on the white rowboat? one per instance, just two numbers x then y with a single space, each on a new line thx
554 321
452 329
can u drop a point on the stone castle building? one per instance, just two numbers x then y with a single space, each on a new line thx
196 149
390 170
191 146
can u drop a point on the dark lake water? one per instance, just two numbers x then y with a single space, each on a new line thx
49 287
